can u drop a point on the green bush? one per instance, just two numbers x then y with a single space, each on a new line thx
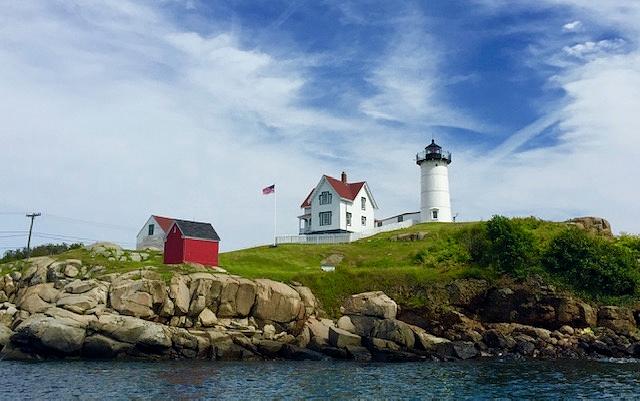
476 242
592 263
512 248
40 250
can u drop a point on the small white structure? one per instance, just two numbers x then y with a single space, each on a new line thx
154 232
337 206
399 218
435 201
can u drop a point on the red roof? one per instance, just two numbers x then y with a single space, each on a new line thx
165 222
344 189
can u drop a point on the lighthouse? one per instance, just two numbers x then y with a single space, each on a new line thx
435 202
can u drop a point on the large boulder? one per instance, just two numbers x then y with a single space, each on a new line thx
342 338
37 298
319 330
49 335
596 225
84 301
277 302
236 295
99 346
620 320
308 299
141 298
374 303
5 335
132 330
36 273
179 292
396 331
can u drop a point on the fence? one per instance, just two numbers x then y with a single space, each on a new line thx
341 238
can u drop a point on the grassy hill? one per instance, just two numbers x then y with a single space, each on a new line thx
595 267
403 269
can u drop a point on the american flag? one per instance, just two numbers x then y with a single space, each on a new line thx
269 190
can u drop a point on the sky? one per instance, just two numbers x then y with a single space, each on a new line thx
114 110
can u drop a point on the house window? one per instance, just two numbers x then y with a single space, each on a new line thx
434 214
400 219
364 220
325 198
363 202
151 227
348 218
325 218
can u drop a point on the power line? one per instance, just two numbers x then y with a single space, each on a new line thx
95 223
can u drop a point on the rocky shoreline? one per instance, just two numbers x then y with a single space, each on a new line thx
67 310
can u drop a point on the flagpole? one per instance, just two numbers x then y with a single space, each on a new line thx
275 215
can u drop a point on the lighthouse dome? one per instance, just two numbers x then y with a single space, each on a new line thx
433 151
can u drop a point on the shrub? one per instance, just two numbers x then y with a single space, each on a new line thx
592 263
476 241
512 248
40 250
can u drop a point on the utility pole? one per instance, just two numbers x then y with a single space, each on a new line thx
31 216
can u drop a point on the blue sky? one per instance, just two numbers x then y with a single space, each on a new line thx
112 111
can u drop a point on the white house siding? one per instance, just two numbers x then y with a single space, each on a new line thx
339 208
143 240
355 208
317 208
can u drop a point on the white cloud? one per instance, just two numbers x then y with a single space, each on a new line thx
573 26
120 113
590 49
409 82
592 167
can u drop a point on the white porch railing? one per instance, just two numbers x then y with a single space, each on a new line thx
342 237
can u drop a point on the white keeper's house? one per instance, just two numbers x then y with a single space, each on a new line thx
338 206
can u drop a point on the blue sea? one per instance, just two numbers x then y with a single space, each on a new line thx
198 380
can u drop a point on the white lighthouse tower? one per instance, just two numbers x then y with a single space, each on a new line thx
435 202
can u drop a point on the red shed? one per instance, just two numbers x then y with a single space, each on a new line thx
191 241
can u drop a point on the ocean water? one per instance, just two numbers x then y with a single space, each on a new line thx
195 380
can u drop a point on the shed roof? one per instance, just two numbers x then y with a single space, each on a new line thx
164 222
196 229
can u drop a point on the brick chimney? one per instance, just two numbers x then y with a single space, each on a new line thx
343 177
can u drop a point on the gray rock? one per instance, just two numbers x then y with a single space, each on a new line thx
319 330
341 338
71 271
99 346
179 292
375 304
49 334
5 335
141 298
80 286
277 302
207 318
396 331
132 330
358 353
36 298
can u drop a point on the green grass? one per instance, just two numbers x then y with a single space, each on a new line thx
402 269
406 271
